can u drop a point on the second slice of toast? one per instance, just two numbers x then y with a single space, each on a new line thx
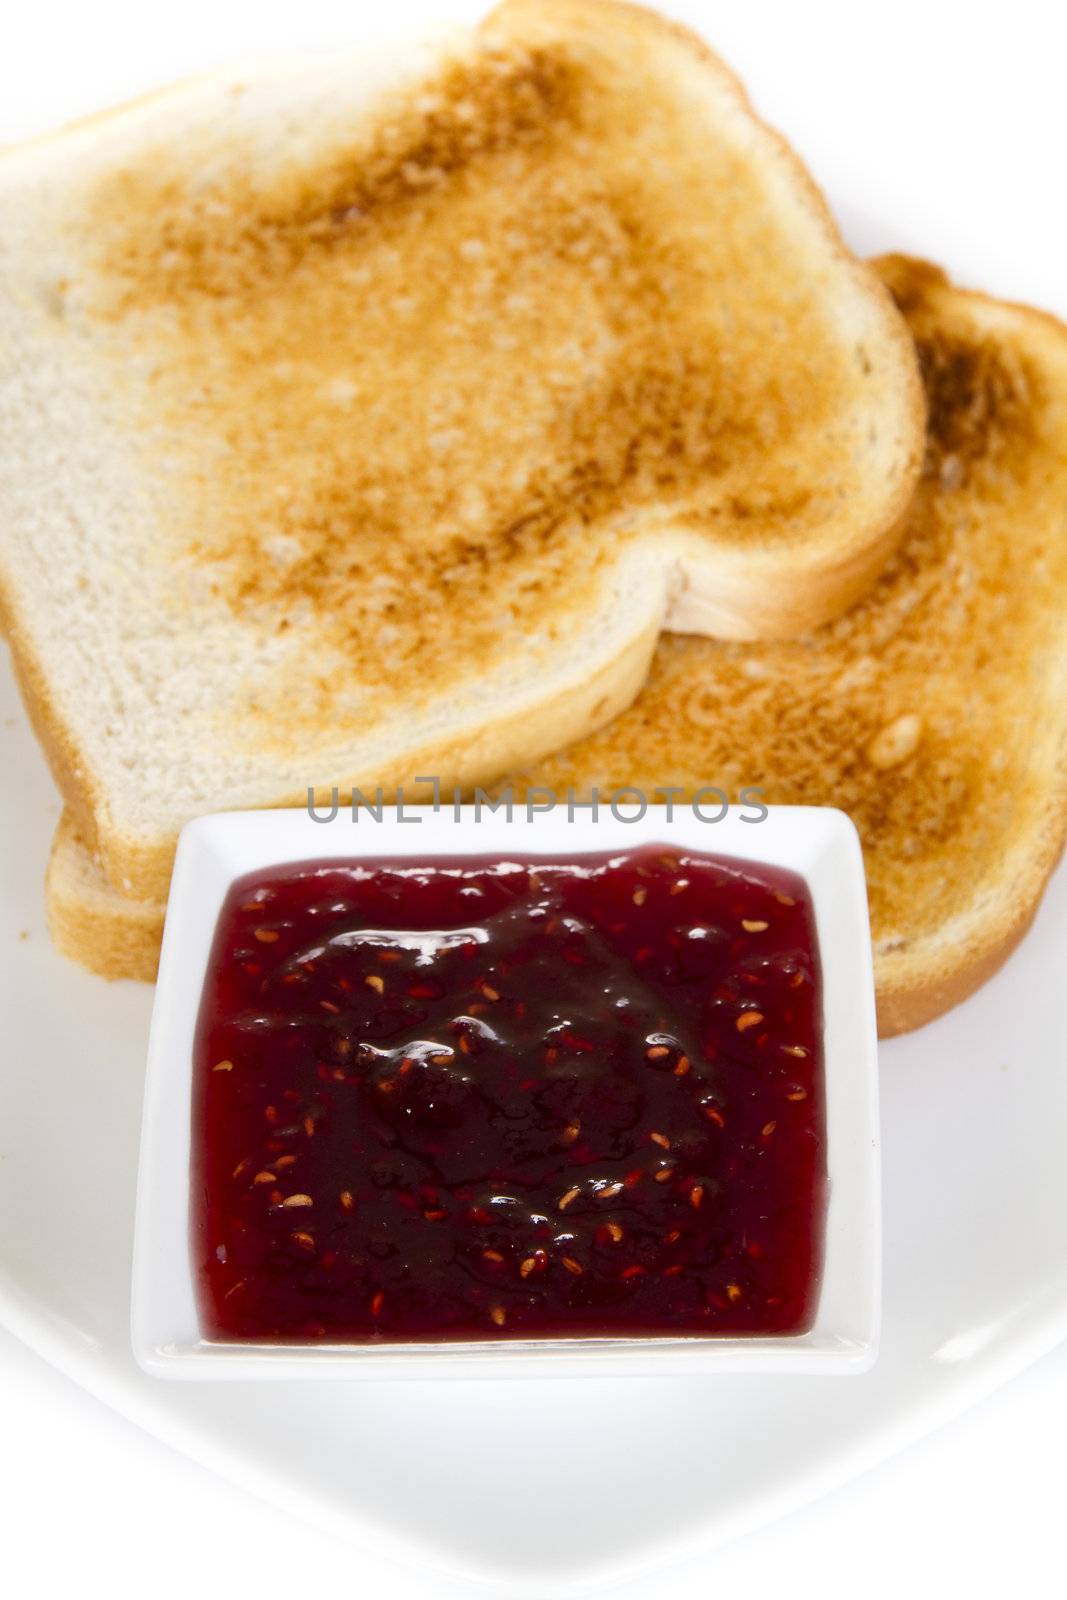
935 711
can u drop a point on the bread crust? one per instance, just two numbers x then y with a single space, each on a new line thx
66 761
109 934
907 999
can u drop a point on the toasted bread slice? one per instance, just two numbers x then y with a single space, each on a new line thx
935 711
362 423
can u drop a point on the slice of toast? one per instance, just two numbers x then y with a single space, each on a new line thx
935 712
367 422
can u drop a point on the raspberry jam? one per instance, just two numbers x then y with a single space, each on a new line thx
467 1099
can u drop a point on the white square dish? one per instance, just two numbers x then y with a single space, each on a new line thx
820 844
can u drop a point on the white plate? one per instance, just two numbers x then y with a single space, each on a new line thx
470 1478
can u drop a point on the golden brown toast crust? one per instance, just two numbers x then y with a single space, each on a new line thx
114 936
935 711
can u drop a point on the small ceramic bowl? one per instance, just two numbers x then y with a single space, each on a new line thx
820 844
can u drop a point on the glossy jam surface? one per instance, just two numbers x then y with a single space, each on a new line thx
478 1099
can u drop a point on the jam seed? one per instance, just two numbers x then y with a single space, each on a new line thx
785 900
304 1240
609 1233
377 1302
713 1114
572 1266
733 1293
347 1200
328 1005
657 1052
640 896
797 1094
489 992
499 1315
750 925
748 1019
570 1133
375 981
437 1215
768 1128
266 935
679 885
241 1168
682 1068
298 1200
663 1174
608 1191
696 1195
223 1066
634 1271
309 1126
263 1177
794 1050
492 1255
567 1199
660 1139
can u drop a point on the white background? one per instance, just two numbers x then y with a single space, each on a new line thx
949 121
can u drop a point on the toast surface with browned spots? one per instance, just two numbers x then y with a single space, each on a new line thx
368 421
935 711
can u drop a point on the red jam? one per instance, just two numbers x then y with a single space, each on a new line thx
467 1099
